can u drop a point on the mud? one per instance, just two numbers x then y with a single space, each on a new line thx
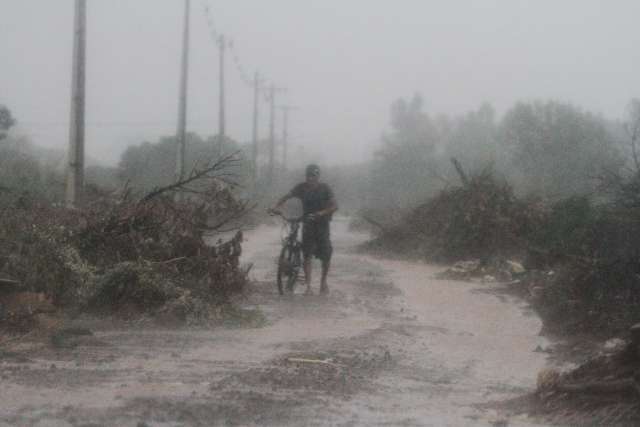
389 346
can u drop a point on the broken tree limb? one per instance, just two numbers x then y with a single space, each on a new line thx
597 387
376 223
169 261
315 361
9 282
195 175
463 176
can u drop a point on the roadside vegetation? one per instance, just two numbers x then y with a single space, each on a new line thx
546 200
138 246
548 185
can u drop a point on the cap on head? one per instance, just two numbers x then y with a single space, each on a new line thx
313 170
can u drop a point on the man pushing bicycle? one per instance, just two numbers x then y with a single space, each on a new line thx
318 206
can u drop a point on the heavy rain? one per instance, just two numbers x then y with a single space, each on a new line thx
304 213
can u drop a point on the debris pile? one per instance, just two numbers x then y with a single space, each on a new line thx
497 271
123 255
594 253
482 219
603 391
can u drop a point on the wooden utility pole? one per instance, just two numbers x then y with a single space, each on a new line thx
222 44
182 103
254 151
272 131
285 134
75 171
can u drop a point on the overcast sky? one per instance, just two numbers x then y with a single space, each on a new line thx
343 61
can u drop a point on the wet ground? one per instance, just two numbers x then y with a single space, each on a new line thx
390 345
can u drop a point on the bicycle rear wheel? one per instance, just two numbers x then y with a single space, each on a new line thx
288 269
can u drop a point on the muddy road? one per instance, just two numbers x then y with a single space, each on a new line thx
389 346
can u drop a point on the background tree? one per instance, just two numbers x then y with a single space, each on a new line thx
150 165
403 170
471 138
6 121
632 129
556 149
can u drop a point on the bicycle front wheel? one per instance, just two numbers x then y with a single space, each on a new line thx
288 269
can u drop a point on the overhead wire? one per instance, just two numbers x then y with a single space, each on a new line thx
239 65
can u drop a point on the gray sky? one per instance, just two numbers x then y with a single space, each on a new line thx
344 62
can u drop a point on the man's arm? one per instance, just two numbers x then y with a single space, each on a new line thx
332 205
281 202
291 194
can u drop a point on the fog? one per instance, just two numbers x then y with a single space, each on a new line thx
475 215
343 62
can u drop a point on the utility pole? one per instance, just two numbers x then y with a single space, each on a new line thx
75 171
254 151
272 131
222 45
182 103
285 134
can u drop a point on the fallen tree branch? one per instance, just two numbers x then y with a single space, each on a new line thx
195 175
463 176
315 361
169 261
376 223
9 282
598 387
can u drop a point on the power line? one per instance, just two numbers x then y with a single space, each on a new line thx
215 37
110 123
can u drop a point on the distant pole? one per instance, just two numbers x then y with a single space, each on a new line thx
222 44
75 172
254 151
285 125
285 134
182 109
272 132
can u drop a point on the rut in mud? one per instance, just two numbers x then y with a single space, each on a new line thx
389 346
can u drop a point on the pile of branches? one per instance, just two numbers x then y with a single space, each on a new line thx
595 252
481 219
155 253
605 390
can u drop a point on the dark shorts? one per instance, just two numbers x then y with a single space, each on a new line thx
316 240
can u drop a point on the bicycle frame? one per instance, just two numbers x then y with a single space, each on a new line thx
292 227
290 260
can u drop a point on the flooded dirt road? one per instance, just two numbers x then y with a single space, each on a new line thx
389 346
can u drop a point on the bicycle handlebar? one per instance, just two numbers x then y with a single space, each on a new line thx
281 215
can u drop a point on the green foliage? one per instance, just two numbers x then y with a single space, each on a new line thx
480 220
471 138
102 177
35 250
404 166
564 229
558 149
6 121
131 283
21 172
151 165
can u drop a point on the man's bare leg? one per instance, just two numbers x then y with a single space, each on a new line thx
307 275
324 288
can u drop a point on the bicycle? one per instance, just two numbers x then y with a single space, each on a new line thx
290 259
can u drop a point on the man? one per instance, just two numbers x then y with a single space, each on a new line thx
318 206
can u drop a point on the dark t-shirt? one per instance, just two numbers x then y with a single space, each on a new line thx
313 199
